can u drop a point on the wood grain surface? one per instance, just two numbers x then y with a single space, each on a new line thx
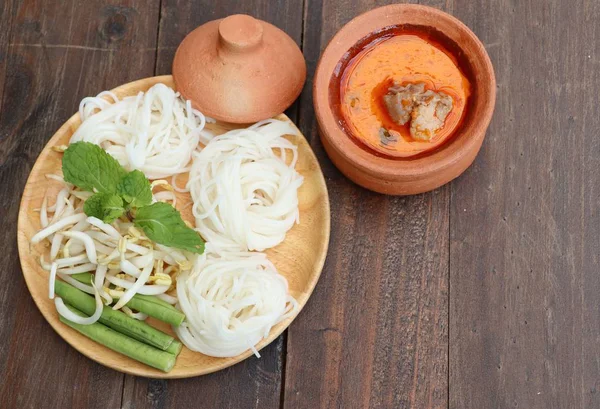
378 327
525 226
55 54
483 294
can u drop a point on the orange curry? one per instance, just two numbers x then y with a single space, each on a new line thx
403 95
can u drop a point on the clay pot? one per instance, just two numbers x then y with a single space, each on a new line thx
239 69
411 175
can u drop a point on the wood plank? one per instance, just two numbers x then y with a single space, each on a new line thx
255 382
525 288
374 333
6 19
179 17
59 52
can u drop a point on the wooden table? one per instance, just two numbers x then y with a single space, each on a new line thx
482 294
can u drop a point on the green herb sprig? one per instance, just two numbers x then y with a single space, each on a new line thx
118 192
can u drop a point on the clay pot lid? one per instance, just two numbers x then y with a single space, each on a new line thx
239 69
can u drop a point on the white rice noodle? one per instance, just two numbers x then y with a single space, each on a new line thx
176 187
164 196
245 194
231 303
155 132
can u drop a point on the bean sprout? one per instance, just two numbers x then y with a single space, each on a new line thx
137 315
83 287
82 244
59 225
90 247
52 280
71 316
167 298
44 213
143 277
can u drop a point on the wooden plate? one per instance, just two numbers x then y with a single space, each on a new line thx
299 258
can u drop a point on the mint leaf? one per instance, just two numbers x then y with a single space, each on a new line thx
89 167
135 189
163 224
104 206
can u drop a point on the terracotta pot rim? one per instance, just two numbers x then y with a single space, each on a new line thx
394 169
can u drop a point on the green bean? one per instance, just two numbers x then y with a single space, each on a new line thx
123 344
147 304
175 347
117 320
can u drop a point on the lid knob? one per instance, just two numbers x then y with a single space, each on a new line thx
240 33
